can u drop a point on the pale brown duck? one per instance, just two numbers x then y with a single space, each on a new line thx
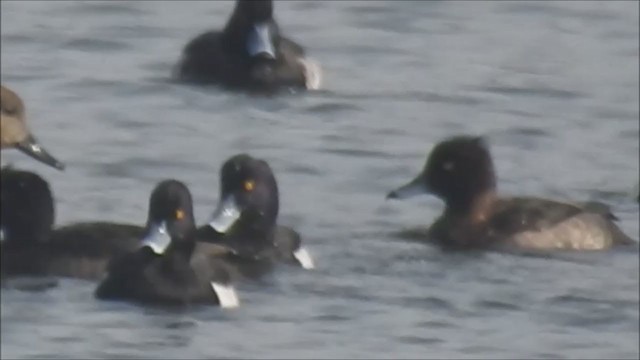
14 132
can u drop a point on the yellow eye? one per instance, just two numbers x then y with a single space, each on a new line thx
249 185
179 214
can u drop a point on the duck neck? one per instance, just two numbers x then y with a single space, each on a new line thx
180 250
255 226
27 209
252 235
474 207
234 35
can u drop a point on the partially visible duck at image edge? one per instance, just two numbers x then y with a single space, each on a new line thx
14 132
32 247
460 171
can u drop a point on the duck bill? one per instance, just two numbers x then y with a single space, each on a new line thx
31 147
157 238
414 188
260 41
225 215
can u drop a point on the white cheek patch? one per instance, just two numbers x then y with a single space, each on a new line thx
1 234
302 255
227 296
312 73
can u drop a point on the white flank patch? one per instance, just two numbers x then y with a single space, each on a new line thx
227 295
312 73
302 255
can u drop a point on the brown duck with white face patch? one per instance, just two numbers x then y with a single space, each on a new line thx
460 172
14 132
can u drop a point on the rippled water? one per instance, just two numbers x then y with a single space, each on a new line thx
554 87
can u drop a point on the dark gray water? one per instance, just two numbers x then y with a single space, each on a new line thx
553 86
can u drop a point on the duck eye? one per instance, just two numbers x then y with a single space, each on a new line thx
249 185
179 214
448 166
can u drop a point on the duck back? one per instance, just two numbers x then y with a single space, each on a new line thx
542 224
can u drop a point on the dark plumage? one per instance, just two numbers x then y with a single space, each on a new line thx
249 53
163 269
460 171
246 217
31 247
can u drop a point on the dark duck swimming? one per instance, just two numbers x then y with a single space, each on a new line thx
460 171
31 246
246 218
250 53
164 269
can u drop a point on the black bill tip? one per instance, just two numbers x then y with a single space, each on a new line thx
31 147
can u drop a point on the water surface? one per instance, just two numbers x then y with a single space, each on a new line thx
552 85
